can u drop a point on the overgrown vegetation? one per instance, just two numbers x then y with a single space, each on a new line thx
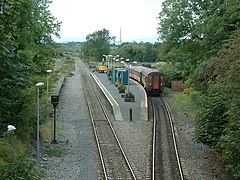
26 50
201 39
13 162
218 122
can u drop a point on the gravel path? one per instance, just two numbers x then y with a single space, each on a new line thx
78 158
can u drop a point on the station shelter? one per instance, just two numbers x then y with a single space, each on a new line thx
120 75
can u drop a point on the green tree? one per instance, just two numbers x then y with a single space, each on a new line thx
26 48
140 52
97 44
218 122
192 31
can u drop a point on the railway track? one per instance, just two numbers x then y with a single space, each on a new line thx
114 162
165 157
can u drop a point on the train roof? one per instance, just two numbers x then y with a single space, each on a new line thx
144 70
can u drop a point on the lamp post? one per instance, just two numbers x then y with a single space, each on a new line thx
113 70
114 60
48 71
122 62
117 58
38 115
110 58
117 66
127 60
107 62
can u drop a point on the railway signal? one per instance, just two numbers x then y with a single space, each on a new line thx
54 102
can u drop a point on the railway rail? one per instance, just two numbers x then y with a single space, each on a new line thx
114 162
165 157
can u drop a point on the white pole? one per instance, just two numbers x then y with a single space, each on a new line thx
48 71
38 125
38 119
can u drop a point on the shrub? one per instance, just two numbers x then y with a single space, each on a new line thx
21 168
121 87
117 83
218 122
129 95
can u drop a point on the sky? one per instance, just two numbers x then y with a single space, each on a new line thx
137 19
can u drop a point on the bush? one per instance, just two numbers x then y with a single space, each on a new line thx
21 168
11 148
170 73
121 88
218 123
129 95
229 142
117 83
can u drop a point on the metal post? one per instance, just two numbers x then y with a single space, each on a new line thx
47 88
54 101
38 126
48 71
54 126
128 79
38 119
122 76
113 71
110 58
130 114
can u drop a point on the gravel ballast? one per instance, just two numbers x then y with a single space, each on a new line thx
79 157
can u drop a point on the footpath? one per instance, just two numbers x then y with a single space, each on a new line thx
75 156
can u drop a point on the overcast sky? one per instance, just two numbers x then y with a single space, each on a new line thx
136 18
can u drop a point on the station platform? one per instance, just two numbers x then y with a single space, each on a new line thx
121 109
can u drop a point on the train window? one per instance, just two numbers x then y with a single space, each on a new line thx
156 82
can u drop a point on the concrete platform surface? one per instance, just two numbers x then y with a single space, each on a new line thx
121 109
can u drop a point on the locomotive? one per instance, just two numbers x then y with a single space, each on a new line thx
152 80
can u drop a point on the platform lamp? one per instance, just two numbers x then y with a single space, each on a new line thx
117 60
48 72
38 119
122 62
127 60
113 69
106 57
110 58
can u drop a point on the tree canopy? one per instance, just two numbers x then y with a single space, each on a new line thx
26 48
97 44
192 31
140 52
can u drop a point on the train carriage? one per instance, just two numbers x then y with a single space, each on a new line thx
152 80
